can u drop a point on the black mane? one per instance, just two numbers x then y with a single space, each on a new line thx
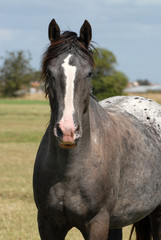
66 42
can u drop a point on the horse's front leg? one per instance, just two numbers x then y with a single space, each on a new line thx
155 218
115 234
98 227
50 231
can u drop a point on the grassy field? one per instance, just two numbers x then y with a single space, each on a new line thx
22 124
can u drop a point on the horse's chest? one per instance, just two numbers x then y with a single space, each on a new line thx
66 201
75 201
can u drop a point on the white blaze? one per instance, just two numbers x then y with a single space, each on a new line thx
69 72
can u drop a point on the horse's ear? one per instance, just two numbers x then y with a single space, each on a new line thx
86 33
53 31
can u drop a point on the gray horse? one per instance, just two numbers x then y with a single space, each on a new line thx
98 166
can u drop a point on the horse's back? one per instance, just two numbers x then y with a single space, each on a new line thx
144 109
140 167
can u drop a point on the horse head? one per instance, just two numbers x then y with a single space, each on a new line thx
67 68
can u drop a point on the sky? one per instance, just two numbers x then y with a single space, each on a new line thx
131 29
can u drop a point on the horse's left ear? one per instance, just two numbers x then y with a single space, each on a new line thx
86 33
53 31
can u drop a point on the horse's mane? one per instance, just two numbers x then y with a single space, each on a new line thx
67 42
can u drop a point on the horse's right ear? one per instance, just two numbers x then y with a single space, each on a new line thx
53 31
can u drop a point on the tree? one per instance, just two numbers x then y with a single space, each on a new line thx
107 81
144 82
15 72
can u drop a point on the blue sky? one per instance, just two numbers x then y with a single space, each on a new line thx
131 29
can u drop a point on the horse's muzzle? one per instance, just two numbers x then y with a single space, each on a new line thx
68 136
67 145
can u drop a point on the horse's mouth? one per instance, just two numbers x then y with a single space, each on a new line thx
67 145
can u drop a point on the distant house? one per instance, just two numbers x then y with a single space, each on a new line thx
35 84
35 87
132 84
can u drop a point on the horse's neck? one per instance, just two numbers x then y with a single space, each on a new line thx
63 160
99 117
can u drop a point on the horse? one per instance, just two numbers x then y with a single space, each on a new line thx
98 166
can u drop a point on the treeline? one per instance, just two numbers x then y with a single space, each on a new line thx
107 81
16 74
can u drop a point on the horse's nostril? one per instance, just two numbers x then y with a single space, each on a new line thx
59 131
77 130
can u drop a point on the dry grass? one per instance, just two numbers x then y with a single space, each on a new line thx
18 213
36 96
22 124
154 96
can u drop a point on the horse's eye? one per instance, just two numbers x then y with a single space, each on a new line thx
49 75
89 74
48 72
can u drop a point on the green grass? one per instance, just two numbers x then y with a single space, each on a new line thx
20 101
22 124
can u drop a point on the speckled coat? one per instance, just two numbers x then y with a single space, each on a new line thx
140 171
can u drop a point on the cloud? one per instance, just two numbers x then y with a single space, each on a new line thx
132 2
6 34
148 2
